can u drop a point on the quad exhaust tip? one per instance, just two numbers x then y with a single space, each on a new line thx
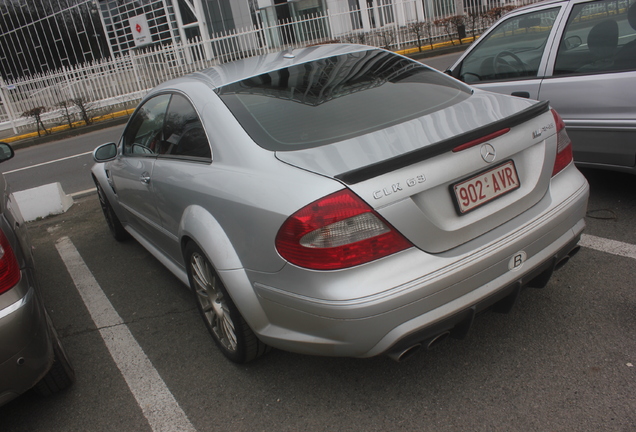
403 354
567 257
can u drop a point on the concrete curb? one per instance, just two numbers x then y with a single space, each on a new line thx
42 201
437 50
47 200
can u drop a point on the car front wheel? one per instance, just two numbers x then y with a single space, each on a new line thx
228 328
116 228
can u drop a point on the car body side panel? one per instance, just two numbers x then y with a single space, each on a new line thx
24 333
134 196
198 225
248 223
600 114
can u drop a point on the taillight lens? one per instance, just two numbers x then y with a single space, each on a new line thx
564 145
9 268
336 232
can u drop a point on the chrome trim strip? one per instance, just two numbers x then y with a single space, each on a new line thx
17 305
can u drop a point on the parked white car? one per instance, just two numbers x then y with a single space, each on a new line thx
578 54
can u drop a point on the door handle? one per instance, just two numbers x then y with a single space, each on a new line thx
521 94
145 178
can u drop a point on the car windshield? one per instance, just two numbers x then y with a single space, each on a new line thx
337 98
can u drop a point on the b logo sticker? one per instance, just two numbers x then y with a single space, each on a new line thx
516 262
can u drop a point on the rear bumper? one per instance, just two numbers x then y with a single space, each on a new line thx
412 296
458 324
26 352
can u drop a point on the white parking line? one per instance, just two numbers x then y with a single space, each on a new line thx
48 163
84 192
610 246
155 400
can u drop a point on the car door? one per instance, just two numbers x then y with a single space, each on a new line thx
511 58
131 173
591 81
182 174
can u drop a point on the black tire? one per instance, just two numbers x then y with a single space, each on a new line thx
61 375
228 328
116 228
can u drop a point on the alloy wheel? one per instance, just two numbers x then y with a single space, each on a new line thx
212 301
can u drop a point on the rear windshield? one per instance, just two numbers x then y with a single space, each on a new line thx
337 98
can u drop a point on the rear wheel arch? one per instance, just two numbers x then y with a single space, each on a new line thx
199 226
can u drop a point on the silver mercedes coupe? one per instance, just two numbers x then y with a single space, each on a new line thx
343 200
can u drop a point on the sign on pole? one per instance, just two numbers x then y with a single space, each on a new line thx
140 30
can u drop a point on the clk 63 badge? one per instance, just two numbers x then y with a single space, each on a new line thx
397 187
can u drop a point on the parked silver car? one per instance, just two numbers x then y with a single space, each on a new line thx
31 355
343 200
578 54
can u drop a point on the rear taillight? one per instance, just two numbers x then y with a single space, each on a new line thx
564 145
336 232
9 268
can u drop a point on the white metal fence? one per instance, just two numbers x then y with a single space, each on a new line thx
106 85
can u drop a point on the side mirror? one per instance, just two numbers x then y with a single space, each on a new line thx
105 152
6 152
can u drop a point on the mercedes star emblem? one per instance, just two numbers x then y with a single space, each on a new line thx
488 153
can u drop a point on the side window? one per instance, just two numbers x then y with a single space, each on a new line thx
143 132
513 50
184 135
599 37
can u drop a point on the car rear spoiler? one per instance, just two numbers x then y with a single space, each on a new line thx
373 170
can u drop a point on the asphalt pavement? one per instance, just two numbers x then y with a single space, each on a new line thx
562 360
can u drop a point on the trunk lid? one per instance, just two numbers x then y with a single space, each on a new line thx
407 172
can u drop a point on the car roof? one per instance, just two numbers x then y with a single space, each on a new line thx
227 73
